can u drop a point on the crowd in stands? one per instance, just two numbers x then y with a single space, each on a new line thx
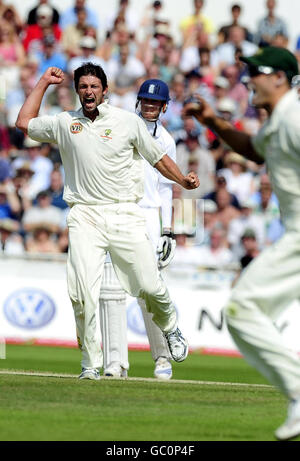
234 214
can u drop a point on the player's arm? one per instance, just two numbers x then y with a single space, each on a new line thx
239 141
152 152
168 168
32 104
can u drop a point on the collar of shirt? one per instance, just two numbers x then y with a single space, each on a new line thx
274 121
102 109
151 127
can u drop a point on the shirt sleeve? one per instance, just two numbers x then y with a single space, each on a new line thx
258 143
171 152
145 143
43 129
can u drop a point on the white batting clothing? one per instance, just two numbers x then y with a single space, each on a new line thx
272 280
103 182
158 196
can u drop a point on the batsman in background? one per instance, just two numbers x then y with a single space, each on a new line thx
101 148
272 281
152 99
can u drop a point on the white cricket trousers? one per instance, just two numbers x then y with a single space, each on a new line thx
113 319
267 286
120 229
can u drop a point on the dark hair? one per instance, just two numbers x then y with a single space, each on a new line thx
90 69
236 7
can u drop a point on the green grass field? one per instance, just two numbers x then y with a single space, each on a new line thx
209 406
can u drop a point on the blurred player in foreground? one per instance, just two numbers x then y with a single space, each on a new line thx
152 99
99 146
272 280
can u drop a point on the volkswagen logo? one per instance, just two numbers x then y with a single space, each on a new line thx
29 308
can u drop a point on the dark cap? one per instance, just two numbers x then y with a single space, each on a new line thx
42 194
248 233
275 58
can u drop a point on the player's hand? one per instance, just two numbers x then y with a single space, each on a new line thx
53 76
191 181
200 109
165 249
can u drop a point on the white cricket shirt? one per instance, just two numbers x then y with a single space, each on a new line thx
278 142
158 188
101 159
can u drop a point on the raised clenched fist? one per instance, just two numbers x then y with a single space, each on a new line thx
54 76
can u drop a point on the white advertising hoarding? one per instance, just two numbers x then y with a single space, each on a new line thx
35 307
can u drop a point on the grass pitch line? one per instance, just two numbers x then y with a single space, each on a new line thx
151 380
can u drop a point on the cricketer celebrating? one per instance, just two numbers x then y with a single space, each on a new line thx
99 146
152 99
272 280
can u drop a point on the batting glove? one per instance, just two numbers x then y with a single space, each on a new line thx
166 249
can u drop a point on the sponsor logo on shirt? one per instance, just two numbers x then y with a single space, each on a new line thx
76 127
106 134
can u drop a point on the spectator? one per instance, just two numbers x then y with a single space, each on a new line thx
250 247
160 49
73 33
43 214
11 15
220 89
216 253
63 98
128 16
206 220
5 170
88 46
220 183
186 254
12 54
188 23
190 56
236 39
11 242
56 190
224 31
9 202
237 91
42 241
152 16
280 40
266 206
226 109
240 182
226 212
11 50
191 155
69 16
41 166
124 75
172 119
32 17
15 96
247 219
50 56
270 26
35 33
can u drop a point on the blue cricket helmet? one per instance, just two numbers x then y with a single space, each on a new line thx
154 89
